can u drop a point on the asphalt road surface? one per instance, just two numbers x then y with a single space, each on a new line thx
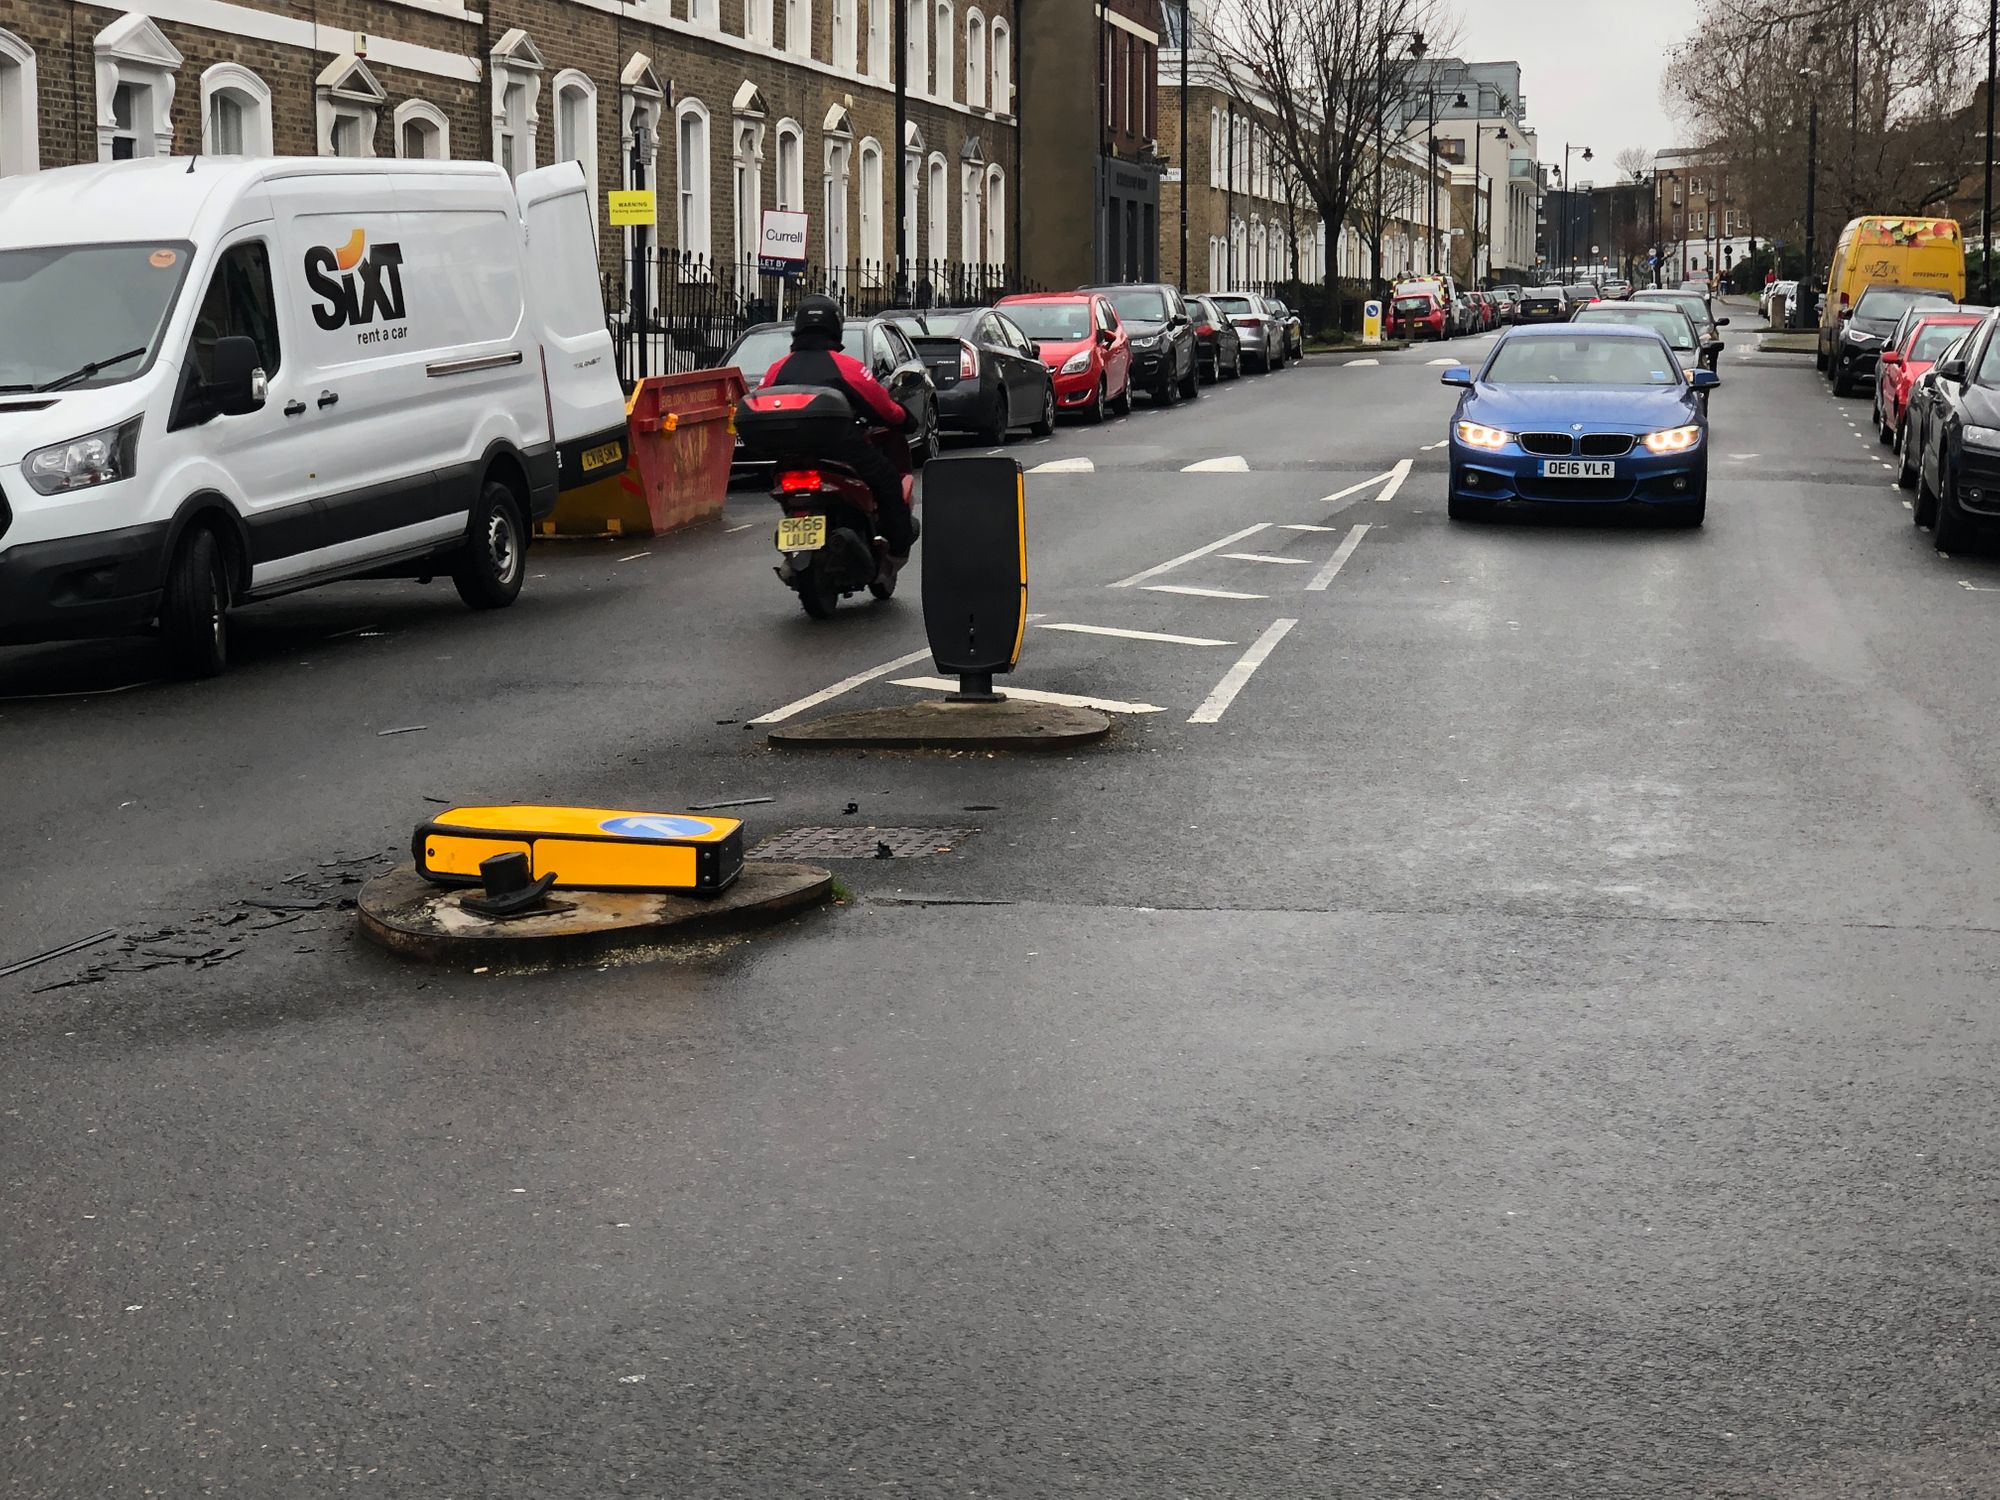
1510 1014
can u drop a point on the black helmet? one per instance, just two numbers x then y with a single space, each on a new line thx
817 317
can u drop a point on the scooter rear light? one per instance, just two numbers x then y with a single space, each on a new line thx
968 362
799 481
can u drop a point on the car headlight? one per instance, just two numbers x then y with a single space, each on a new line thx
1475 436
1077 363
1985 439
1150 341
84 462
1672 440
1856 336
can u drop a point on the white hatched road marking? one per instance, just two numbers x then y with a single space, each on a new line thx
1302 526
1065 466
1354 489
1447 362
1030 695
1187 557
1396 477
845 685
1138 635
1359 364
1967 583
1266 557
1238 676
1235 463
1334 564
1179 588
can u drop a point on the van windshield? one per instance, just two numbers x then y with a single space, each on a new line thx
66 307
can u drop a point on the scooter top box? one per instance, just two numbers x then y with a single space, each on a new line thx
586 848
794 419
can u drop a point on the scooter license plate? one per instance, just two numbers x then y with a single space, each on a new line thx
802 533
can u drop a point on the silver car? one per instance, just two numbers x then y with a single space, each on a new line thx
1266 336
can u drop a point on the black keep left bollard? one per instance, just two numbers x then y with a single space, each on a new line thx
975 570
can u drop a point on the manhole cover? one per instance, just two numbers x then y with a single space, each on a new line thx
861 843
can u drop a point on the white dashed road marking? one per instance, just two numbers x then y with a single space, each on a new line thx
846 684
1338 561
1187 557
1138 635
1065 466
1264 557
1235 463
1357 364
1238 676
1179 588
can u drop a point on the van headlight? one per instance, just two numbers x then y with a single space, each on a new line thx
1077 363
1672 440
84 462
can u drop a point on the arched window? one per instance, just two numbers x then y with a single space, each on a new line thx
422 131
748 168
996 216
872 205
1215 148
909 228
976 67
757 23
705 13
799 27
576 124
517 87
844 34
691 178
349 102
791 166
1002 92
235 112
878 38
917 35
136 67
20 146
834 187
937 244
971 180
946 79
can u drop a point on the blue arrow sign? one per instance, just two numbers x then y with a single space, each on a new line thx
657 826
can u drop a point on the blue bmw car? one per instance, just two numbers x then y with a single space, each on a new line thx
1568 413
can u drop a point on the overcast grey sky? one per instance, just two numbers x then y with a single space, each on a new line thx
1590 68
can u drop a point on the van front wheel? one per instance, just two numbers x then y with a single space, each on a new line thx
194 607
489 572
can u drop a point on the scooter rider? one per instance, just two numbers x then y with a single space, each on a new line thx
816 360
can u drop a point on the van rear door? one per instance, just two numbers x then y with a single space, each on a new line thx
586 401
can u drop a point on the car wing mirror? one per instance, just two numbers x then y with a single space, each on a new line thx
238 383
1106 337
1951 369
1711 346
1889 357
1704 380
1722 322
1457 375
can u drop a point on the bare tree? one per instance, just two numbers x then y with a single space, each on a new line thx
1330 77
1633 162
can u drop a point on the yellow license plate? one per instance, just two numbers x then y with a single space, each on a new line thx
598 458
802 533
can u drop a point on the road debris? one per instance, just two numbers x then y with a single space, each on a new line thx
53 953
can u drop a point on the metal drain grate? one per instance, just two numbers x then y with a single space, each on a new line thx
861 843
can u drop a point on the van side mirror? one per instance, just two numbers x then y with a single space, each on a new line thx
1457 375
237 384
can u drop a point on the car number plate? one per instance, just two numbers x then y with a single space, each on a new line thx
1579 468
802 533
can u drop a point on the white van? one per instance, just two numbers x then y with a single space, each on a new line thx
222 380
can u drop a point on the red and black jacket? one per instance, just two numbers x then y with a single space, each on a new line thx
834 370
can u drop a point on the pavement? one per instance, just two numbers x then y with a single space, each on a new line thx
1509 1012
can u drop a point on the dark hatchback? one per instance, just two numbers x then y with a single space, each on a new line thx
989 374
1863 333
1164 353
1217 344
1543 304
878 344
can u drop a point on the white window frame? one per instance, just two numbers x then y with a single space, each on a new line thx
836 191
253 96
873 201
1000 52
846 36
133 51
791 185
583 152
746 145
422 112
20 111
914 177
937 193
692 218
346 90
517 93
996 216
881 34
641 107
1216 149
944 81
799 28
706 14
760 22
918 36
977 72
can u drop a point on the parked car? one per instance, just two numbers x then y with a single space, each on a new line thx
1543 304
1218 347
879 344
1706 323
989 375
1417 313
1616 290
1913 348
1155 315
1920 411
1510 301
1860 331
1266 340
1789 290
1670 323
1086 348
1295 328
1958 468
273 373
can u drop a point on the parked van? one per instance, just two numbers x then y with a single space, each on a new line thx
223 380
1928 254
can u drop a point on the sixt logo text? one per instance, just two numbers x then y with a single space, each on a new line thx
356 284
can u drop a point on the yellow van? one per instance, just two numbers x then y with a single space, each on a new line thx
1928 254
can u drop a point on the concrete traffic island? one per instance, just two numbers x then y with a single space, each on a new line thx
412 918
939 724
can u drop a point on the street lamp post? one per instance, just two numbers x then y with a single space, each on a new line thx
1569 202
1417 50
1478 133
1986 204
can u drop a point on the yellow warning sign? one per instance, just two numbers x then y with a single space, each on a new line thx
632 206
586 848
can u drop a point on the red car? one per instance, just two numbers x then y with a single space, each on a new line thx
1897 369
1416 315
1081 340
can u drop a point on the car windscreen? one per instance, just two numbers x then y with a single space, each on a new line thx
1234 307
1934 338
1663 320
937 325
66 307
1693 306
1413 304
763 347
1141 303
1051 322
1887 303
1580 360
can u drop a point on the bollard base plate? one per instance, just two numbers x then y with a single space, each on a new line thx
949 724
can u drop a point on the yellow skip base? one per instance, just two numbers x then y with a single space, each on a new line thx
586 848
